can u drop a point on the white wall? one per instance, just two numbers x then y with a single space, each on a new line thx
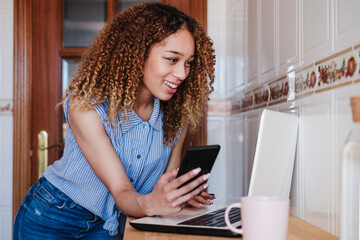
6 118
283 42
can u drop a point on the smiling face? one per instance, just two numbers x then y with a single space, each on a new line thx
168 65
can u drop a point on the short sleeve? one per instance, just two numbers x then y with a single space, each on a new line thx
102 111
66 109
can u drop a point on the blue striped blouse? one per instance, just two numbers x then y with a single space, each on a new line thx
140 148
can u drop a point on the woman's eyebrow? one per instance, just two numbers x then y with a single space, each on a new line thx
178 53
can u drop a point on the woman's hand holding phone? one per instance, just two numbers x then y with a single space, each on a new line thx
169 196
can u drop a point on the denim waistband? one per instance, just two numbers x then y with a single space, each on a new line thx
55 191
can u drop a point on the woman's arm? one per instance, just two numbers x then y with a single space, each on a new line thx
95 145
175 157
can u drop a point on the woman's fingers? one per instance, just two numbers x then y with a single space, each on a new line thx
189 187
191 194
207 195
177 182
194 203
168 176
202 199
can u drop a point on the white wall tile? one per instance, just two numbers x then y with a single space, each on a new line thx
252 44
316 134
217 31
216 129
6 54
267 51
6 155
235 147
288 36
347 23
6 5
235 45
317 29
226 27
6 223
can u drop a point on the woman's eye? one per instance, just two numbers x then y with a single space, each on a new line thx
189 63
172 60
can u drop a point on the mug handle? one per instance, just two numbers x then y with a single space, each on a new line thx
227 221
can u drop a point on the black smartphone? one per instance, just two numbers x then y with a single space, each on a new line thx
200 156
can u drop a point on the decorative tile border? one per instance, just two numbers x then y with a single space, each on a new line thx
357 54
261 96
339 69
305 80
6 107
219 108
279 90
247 101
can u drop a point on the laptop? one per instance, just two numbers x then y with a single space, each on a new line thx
271 176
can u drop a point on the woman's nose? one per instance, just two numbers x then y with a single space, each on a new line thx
180 71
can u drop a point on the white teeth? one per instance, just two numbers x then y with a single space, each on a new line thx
170 84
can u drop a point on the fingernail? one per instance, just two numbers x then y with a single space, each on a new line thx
205 177
197 170
206 185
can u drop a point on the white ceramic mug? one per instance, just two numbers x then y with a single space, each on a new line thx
261 218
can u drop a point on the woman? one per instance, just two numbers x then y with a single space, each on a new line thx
143 81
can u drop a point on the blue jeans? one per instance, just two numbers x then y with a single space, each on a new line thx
47 213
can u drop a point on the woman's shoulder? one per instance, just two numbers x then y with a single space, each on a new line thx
102 110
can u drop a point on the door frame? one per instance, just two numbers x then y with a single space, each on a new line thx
22 123
22 101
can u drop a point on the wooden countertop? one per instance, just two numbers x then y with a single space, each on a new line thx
298 229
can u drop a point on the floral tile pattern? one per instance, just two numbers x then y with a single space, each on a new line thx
279 90
337 69
261 96
357 53
6 108
236 104
219 108
247 101
305 80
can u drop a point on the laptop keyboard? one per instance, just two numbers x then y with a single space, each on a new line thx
215 218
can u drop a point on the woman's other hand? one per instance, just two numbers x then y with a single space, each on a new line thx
203 199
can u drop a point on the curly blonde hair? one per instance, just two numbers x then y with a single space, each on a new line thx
113 67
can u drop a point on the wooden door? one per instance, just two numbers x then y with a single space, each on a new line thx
39 57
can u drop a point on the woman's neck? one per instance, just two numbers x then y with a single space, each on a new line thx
144 105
